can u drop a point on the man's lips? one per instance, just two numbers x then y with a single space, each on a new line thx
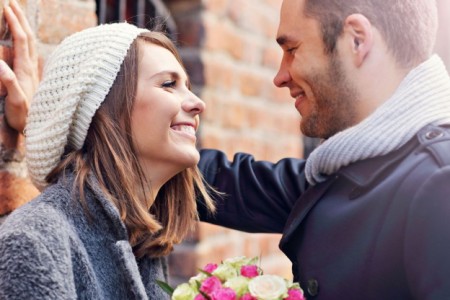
299 97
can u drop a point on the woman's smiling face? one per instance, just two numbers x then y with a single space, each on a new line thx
164 117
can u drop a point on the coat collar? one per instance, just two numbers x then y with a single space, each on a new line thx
97 200
361 173
302 207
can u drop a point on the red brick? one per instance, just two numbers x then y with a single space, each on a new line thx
232 144
274 4
233 115
251 84
190 32
235 44
257 116
271 29
183 261
295 147
218 75
222 36
215 34
253 20
14 191
252 52
236 9
207 230
277 264
272 56
281 95
211 109
218 7
211 141
59 19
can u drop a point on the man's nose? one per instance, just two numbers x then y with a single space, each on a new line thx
282 78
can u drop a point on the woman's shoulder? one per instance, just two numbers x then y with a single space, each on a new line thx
45 215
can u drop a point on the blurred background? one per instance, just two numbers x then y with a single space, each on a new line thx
229 50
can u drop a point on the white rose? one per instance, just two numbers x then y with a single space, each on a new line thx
238 284
268 287
292 285
193 281
183 292
225 272
238 262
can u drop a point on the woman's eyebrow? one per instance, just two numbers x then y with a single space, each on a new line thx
172 74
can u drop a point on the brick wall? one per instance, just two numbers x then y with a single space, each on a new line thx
229 50
52 20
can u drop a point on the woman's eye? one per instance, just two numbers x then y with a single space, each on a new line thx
169 84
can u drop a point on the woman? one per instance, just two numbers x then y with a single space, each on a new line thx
110 139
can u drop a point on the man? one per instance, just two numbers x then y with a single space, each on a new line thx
365 217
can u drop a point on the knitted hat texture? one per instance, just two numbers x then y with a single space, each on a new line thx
76 80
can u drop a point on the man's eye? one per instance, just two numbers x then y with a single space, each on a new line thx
169 84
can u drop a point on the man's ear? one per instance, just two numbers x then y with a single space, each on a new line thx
359 31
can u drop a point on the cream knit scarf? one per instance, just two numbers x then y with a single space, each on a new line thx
422 98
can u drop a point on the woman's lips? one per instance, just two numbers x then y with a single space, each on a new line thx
185 130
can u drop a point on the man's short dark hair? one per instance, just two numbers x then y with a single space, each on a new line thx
408 26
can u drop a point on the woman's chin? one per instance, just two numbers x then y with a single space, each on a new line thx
189 160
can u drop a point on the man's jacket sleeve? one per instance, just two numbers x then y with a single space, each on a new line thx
258 195
427 239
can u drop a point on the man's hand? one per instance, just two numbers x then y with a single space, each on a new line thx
22 81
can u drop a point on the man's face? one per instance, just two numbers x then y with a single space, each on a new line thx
317 81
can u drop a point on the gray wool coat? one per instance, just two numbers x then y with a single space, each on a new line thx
50 249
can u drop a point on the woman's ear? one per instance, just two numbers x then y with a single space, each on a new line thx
359 32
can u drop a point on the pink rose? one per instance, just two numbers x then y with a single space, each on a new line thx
249 271
248 297
295 294
199 297
210 268
224 294
210 285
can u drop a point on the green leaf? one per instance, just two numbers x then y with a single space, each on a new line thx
204 272
166 288
199 284
253 261
204 295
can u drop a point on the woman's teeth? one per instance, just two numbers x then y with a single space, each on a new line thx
184 128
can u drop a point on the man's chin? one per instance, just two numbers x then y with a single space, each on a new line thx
307 129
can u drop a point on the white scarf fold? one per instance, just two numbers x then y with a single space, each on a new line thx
422 98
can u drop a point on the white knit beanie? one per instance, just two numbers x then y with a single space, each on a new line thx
76 80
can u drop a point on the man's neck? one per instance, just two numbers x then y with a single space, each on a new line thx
378 82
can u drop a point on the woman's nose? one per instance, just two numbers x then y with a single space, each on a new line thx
193 104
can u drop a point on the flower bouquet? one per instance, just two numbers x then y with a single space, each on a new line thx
235 279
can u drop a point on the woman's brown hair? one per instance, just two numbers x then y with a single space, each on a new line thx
109 155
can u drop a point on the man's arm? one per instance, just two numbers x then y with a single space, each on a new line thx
258 195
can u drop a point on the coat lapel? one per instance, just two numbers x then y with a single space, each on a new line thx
302 207
130 269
